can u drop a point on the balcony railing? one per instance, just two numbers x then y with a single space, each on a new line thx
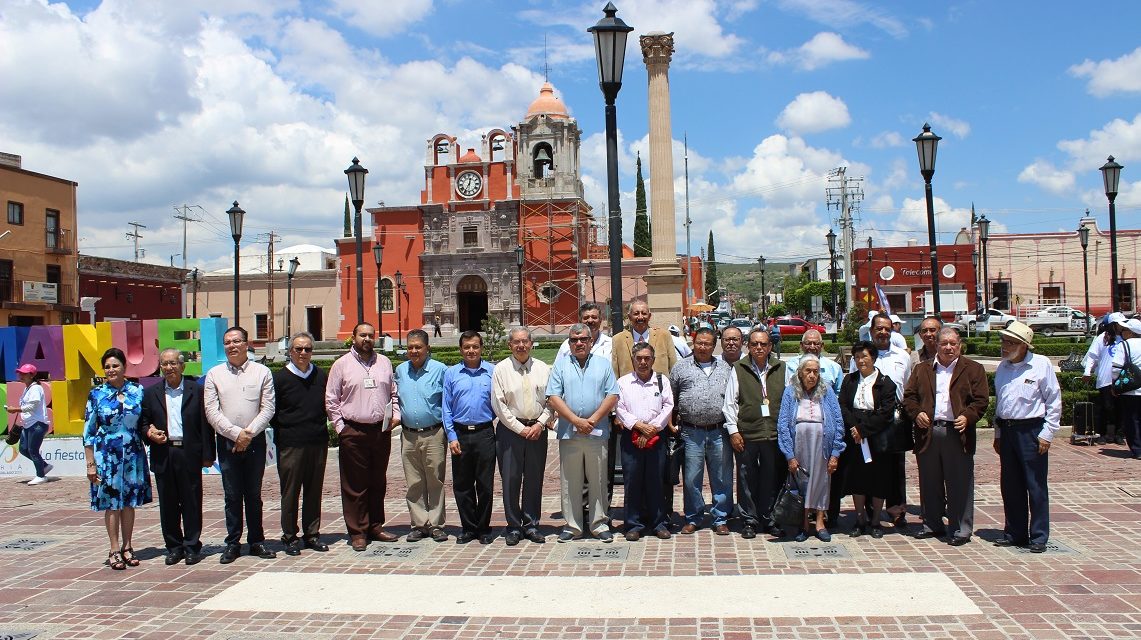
58 241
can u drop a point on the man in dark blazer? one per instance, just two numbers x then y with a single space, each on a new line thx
182 442
946 397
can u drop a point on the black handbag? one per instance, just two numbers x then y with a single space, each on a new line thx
898 437
13 437
788 509
1129 378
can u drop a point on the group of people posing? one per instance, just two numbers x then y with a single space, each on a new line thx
745 413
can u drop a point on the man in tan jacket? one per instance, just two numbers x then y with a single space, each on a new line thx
641 331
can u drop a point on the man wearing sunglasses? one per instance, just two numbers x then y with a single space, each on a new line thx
302 436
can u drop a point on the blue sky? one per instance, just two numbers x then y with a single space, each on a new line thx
154 105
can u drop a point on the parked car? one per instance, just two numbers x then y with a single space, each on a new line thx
794 326
1058 311
744 324
989 318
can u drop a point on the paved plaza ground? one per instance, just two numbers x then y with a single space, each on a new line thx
54 584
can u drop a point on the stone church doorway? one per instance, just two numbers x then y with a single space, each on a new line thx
471 302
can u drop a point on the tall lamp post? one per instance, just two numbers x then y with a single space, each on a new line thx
377 256
764 294
194 275
832 270
1083 237
978 290
1111 174
590 272
399 318
927 144
519 265
871 290
984 235
237 215
356 174
610 51
293 264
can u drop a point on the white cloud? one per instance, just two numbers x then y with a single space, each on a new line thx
912 221
1047 176
844 14
957 128
823 49
1106 77
1119 138
814 112
384 20
887 139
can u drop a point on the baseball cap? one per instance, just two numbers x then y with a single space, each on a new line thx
27 368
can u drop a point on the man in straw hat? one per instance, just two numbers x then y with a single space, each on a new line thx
1028 407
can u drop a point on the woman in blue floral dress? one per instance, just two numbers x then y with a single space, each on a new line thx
116 459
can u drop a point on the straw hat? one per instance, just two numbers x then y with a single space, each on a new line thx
1019 331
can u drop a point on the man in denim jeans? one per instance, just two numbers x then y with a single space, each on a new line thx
699 384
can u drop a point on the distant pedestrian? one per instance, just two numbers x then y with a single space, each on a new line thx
436 326
33 412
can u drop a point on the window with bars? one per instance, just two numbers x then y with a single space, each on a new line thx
471 236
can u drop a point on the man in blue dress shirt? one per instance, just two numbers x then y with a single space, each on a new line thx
471 439
583 391
423 446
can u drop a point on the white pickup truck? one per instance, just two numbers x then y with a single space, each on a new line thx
984 319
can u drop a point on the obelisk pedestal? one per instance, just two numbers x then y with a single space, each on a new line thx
665 279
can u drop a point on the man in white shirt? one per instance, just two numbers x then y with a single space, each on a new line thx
732 345
519 399
1027 410
897 339
682 347
601 344
1130 401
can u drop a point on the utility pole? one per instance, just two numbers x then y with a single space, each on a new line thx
134 235
688 260
183 214
269 272
846 198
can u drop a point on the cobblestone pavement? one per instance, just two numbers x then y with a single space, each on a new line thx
1088 588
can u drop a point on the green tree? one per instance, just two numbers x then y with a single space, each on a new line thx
494 334
850 331
643 240
712 295
348 220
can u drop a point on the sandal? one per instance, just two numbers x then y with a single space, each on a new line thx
115 561
129 557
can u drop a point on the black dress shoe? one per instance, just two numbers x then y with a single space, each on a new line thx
193 558
486 538
230 553
1037 547
466 537
774 531
315 544
877 531
958 541
512 538
174 556
293 547
1008 542
261 551
439 535
416 535
534 536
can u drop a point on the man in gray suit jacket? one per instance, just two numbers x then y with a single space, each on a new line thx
173 420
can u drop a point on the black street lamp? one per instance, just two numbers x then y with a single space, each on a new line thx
764 295
927 144
293 264
519 265
356 174
237 215
984 235
871 289
399 318
832 269
194 275
975 270
1083 236
377 255
610 51
1111 175
590 272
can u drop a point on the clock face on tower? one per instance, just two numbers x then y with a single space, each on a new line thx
469 184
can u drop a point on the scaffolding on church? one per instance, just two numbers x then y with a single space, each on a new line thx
554 234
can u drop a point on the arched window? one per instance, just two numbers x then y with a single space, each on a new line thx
385 294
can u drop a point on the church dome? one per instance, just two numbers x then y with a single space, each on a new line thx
470 156
547 104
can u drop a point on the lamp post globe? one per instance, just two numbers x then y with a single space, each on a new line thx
356 174
293 264
984 235
610 34
1111 176
237 217
927 146
519 266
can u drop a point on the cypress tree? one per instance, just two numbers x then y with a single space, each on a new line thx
712 295
643 241
348 220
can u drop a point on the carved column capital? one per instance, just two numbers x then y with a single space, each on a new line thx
657 48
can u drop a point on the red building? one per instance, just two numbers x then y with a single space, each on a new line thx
904 274
130 290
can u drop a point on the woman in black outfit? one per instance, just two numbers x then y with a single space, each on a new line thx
867 402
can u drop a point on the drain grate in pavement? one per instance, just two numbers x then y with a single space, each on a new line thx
20 635
830 552
594 553
1052 546
25 544
399 552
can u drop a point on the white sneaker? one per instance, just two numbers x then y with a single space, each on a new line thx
37 480
47 468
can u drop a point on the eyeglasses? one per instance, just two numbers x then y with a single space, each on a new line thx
233 341
169 363
303 349
579 339
754 343
730 339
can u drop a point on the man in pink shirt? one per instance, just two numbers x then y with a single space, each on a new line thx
645 402
358 398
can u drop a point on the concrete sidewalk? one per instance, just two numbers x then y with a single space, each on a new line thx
54 585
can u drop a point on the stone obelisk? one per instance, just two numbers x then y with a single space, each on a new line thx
664 279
